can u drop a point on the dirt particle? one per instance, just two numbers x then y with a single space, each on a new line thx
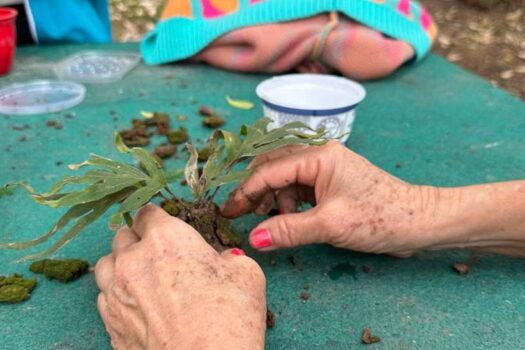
55 124
270 318
398 166
366 269
368 338
305 295
178 136
206 111
165 151
22 138
213 121
461 268
59 163
70 115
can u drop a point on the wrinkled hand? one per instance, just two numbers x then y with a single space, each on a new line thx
164 287
355 204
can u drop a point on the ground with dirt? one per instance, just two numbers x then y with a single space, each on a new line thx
484 36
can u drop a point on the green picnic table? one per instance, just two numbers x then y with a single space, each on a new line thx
431 123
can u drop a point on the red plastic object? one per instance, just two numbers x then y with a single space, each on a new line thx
7 38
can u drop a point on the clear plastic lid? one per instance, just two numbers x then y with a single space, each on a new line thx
40 96
97 66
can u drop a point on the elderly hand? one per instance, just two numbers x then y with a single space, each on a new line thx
360 207
164 287
355 204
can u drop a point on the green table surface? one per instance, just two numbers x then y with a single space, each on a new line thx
429 124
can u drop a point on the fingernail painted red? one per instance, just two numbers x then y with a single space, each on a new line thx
261 238
237 251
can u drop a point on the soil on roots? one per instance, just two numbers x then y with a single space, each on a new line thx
207 220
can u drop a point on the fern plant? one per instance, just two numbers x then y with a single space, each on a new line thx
109 183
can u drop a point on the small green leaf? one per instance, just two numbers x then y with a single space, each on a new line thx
147 115
240 104
119 143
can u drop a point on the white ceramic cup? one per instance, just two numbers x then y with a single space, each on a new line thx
317 100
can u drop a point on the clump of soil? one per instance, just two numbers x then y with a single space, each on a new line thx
165 151
61 270
178 136
206 219
15 289
137 136
368 338
213 121
140 132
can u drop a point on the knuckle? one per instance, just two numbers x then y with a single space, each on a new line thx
286 234
101 263
124 265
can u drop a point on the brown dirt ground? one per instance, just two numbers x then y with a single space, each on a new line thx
486 37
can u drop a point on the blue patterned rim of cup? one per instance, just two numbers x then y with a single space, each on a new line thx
311 94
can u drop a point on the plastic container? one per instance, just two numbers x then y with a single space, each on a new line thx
7 38
97 66
40 96
317 100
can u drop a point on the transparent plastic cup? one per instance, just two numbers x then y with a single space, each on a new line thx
318 100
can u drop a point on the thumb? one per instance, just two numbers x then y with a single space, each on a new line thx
286 231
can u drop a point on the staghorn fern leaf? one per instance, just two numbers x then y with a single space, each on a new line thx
110 183
254 140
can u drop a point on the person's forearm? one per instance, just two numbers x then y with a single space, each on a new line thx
489 217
